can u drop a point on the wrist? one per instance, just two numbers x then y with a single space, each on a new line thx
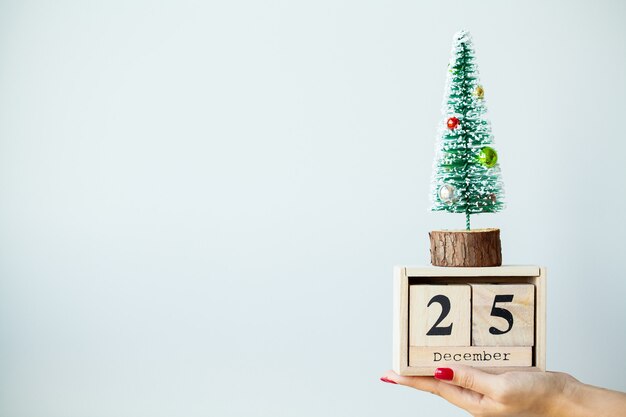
568 398
581 400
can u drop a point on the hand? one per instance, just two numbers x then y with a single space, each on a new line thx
511 394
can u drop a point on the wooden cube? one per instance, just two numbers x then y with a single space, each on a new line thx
503 314
439 315
415 356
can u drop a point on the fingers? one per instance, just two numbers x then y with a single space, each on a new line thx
469 378
422 383
456 395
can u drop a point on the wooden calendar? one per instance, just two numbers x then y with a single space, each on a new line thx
492 317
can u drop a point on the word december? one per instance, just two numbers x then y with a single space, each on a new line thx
473 357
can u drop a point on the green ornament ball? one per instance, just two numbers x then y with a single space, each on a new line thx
488 157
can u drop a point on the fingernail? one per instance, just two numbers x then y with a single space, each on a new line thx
385 379
444 373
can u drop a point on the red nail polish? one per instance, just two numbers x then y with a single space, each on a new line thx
444 373
385 379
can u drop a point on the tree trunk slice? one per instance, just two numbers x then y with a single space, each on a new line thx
466 248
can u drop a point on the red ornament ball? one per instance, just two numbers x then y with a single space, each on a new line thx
453 122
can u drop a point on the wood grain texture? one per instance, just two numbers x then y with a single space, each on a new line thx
423 317
521 331
465 248
501 271
540 320
430 370
400 320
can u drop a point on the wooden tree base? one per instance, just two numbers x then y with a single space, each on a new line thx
466 248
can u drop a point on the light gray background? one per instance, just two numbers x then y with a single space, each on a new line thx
201 202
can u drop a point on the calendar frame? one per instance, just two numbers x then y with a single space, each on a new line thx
513 274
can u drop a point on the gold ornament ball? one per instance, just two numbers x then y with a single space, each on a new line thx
480 92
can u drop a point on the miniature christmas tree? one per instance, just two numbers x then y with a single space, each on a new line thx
466 176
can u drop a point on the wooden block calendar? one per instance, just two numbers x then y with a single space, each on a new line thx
491 317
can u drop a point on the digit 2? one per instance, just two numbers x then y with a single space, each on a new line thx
445 309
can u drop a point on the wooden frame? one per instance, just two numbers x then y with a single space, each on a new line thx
405 276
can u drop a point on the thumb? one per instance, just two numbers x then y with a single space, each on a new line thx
469 378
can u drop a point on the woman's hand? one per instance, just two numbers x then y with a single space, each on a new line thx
511 394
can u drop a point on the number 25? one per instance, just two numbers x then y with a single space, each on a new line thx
444 302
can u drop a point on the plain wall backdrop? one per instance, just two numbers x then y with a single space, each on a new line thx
201 202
